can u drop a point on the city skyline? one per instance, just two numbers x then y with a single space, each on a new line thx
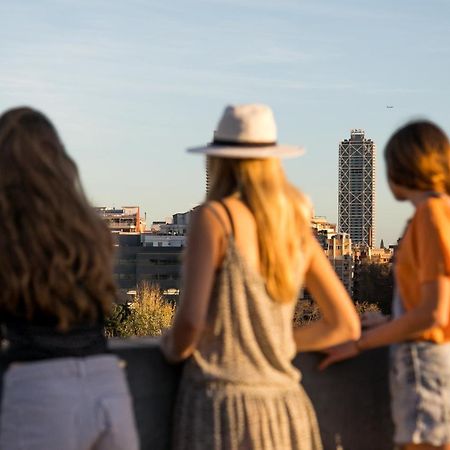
130 85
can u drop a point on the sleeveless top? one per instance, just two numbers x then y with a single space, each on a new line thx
239 389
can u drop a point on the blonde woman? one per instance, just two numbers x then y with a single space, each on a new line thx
418 169
250 249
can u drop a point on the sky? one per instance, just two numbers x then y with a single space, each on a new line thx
129 85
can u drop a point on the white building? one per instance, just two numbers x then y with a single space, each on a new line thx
126 219
159 240
338 248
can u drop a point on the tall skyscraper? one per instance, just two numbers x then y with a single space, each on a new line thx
207 161
356 198
207 164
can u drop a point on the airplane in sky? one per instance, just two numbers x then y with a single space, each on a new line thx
389 107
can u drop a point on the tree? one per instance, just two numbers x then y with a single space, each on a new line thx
148 315
307 311
373 283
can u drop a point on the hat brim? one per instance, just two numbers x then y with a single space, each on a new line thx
238 152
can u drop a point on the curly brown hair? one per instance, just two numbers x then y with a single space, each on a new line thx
56 253
418 157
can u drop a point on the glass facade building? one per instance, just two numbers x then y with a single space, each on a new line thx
356 192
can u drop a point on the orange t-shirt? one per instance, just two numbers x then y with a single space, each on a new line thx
424 256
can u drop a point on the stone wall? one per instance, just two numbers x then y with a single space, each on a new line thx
351 399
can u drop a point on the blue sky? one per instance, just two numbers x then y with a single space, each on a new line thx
130 84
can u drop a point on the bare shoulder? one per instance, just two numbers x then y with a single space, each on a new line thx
209 219
207 232
239 209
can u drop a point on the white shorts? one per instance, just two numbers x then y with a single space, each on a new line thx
67 403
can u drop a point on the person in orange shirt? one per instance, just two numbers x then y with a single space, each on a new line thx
418 170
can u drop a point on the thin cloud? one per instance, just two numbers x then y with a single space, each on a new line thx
280 55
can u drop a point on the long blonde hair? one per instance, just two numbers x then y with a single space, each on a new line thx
280 212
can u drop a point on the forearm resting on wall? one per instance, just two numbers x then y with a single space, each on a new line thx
431 312
321 334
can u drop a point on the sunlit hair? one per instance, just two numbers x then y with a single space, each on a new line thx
418 157
280 211
55 251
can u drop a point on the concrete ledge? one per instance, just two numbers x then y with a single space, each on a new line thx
153 385
351 399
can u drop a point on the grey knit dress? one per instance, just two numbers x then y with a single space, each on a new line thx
240 390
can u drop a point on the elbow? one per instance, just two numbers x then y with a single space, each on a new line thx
437 320
428 319
351 327
354 329
347 328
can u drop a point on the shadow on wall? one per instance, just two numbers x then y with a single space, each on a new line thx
351 399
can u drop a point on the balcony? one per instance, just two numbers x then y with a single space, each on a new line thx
351 399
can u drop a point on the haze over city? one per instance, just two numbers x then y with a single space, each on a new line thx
131 85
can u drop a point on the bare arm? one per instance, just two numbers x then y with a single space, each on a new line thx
432 311
372 319
202 257
339 320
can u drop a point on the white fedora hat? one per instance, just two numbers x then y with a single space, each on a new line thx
245 132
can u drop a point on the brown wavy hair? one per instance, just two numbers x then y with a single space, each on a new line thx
55 251
418 157
282 215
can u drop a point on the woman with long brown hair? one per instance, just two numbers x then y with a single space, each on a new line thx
418 170
61 389
250 249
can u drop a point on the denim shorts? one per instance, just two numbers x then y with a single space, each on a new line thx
67 403
420 392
